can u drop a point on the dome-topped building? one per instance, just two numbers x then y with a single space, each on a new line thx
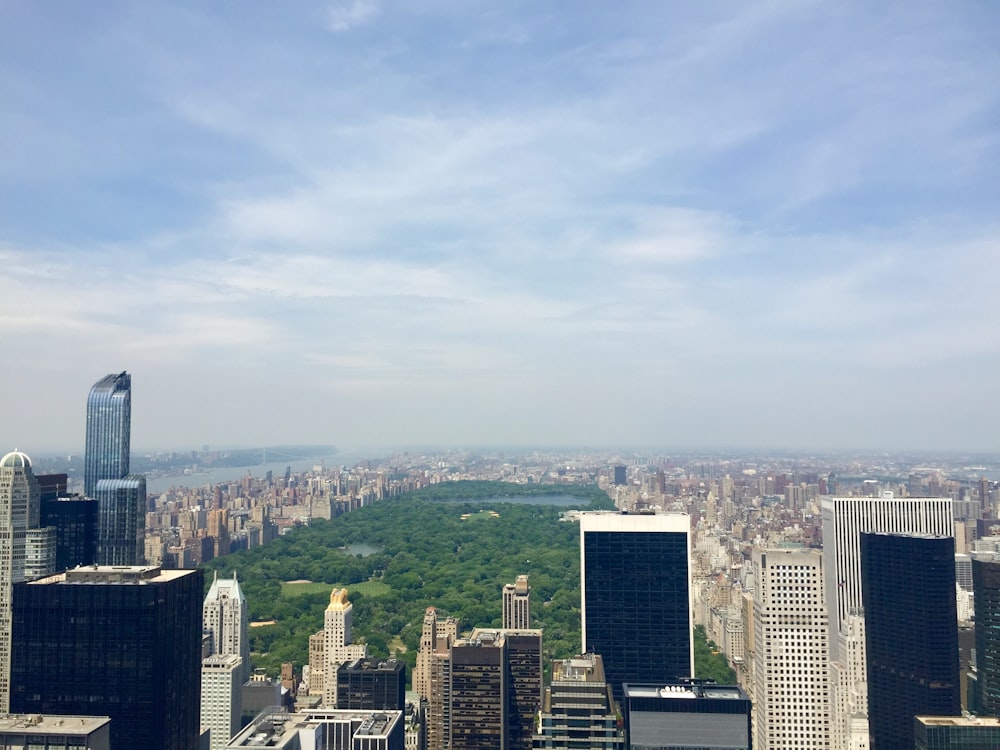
27 551
15 460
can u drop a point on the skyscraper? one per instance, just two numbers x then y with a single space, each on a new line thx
844 520
225 617
337 623
109 416
123 642
517 604
221 686
911 633
26 551
986 585
121 520
636 595
121 497
791 680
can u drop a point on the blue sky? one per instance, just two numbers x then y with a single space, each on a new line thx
604 224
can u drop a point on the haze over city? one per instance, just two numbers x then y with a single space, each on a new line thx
363 223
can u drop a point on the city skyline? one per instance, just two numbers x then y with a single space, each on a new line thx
458 224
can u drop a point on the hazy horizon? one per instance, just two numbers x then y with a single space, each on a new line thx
360 223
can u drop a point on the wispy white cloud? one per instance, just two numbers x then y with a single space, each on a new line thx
348 14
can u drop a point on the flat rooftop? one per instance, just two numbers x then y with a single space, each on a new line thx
99 574
684 690
48 724
275 728
959 721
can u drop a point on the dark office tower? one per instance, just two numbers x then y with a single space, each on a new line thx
478 693
620 476
118 642
121 520
685 716
578 712
371 685
986 586
74 518
109 415
524 685
911 633
636 595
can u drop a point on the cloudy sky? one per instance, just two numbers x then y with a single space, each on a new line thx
668 224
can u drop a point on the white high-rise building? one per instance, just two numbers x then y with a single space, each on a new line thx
225 617
26 551
337 622
844 520
517 605
791 681
221 690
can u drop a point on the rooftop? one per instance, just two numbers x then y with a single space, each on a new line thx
45 724
104 574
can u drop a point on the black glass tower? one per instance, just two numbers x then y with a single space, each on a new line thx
109 416
118 642
986 586
372 685
75 520
911 633
636 596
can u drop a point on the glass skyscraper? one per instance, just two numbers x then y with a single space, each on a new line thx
911 632
986 584
636 595
109 416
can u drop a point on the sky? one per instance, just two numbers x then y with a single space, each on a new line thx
681 225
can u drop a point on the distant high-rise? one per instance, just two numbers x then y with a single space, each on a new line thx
636 595
986 585
791 681
123 642
121 497
621 476
517 604
911 633
26 551
844 520
109 416
226 618
74 518
121 519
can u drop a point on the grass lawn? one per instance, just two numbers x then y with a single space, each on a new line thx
366 588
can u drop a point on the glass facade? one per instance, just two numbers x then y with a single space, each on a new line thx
121 520
109 416
636 600
986 585
908 591
956 733
129 649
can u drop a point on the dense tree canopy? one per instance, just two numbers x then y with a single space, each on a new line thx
438 547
